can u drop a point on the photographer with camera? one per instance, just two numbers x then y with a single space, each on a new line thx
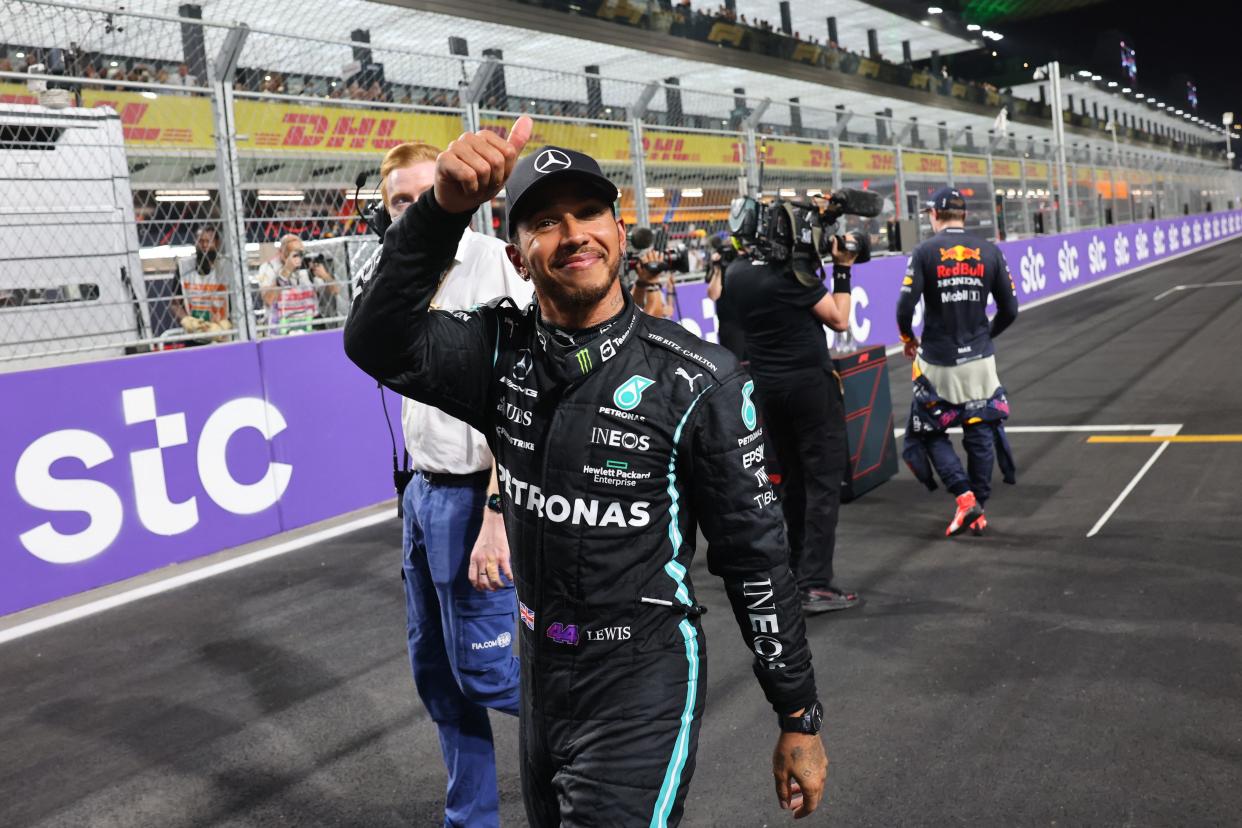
646 258
777 294
293 286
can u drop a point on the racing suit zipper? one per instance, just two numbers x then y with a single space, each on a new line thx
552 401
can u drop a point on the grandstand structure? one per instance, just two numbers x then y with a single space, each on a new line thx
236 118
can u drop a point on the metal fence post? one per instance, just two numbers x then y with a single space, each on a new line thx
836 164
222 72
1026 198
473 122
638 155
899 212
997 230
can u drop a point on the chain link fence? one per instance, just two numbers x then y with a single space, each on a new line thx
191 182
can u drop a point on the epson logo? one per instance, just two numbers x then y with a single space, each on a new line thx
616 438
156 510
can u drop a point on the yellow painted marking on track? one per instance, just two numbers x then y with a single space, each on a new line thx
1178 438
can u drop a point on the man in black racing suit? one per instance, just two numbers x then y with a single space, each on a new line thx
615 434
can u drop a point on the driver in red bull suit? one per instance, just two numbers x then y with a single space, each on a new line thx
615 434
955 379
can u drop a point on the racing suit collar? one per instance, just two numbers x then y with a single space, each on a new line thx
572 363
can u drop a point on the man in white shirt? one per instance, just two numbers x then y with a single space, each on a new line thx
461 605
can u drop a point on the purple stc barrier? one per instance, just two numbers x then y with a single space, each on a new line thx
1041 267
111 469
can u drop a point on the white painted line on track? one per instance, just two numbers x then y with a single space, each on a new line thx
1162 431
1058 429
185 578
1195 287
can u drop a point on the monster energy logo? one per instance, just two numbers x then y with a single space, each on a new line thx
584 360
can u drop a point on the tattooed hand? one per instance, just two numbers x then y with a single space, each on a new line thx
799 766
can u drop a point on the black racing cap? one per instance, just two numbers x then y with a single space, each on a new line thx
946 198
549 163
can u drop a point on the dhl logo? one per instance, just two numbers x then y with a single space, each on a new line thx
305 129
959 253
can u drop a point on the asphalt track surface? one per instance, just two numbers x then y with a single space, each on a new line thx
1031 677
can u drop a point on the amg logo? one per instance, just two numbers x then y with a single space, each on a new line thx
620 439
530 392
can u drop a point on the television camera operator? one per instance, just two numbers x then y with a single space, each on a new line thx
775 292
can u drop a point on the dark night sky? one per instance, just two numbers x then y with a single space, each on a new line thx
1196 39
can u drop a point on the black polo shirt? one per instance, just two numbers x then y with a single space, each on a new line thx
785 342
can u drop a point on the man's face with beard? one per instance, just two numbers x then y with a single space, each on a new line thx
572 246
206 249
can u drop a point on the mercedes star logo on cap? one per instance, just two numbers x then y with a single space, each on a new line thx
550 160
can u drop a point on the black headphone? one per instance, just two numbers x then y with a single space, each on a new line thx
376 214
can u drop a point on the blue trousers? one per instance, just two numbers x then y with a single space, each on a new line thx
979 442
461 642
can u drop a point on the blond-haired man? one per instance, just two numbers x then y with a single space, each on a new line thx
461 605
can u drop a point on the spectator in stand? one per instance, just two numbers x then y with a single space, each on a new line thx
203 284
6 65
293 291
183 76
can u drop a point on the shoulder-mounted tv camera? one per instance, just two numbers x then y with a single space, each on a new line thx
800 231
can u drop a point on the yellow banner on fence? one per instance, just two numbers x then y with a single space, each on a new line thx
331 130
159 121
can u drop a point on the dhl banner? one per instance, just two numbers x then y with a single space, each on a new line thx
184 122
1006 168
970 166
163 121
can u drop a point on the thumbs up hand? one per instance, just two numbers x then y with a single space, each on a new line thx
472 169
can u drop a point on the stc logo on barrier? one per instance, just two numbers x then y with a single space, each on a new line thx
1067 262
156 510
1032 268
1096 260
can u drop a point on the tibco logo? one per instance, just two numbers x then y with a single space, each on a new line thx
156 511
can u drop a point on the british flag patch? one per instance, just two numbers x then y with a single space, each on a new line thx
528 615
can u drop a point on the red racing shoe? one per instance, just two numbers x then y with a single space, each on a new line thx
968 511
979 525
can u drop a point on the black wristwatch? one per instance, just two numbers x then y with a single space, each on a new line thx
493 502
809 722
